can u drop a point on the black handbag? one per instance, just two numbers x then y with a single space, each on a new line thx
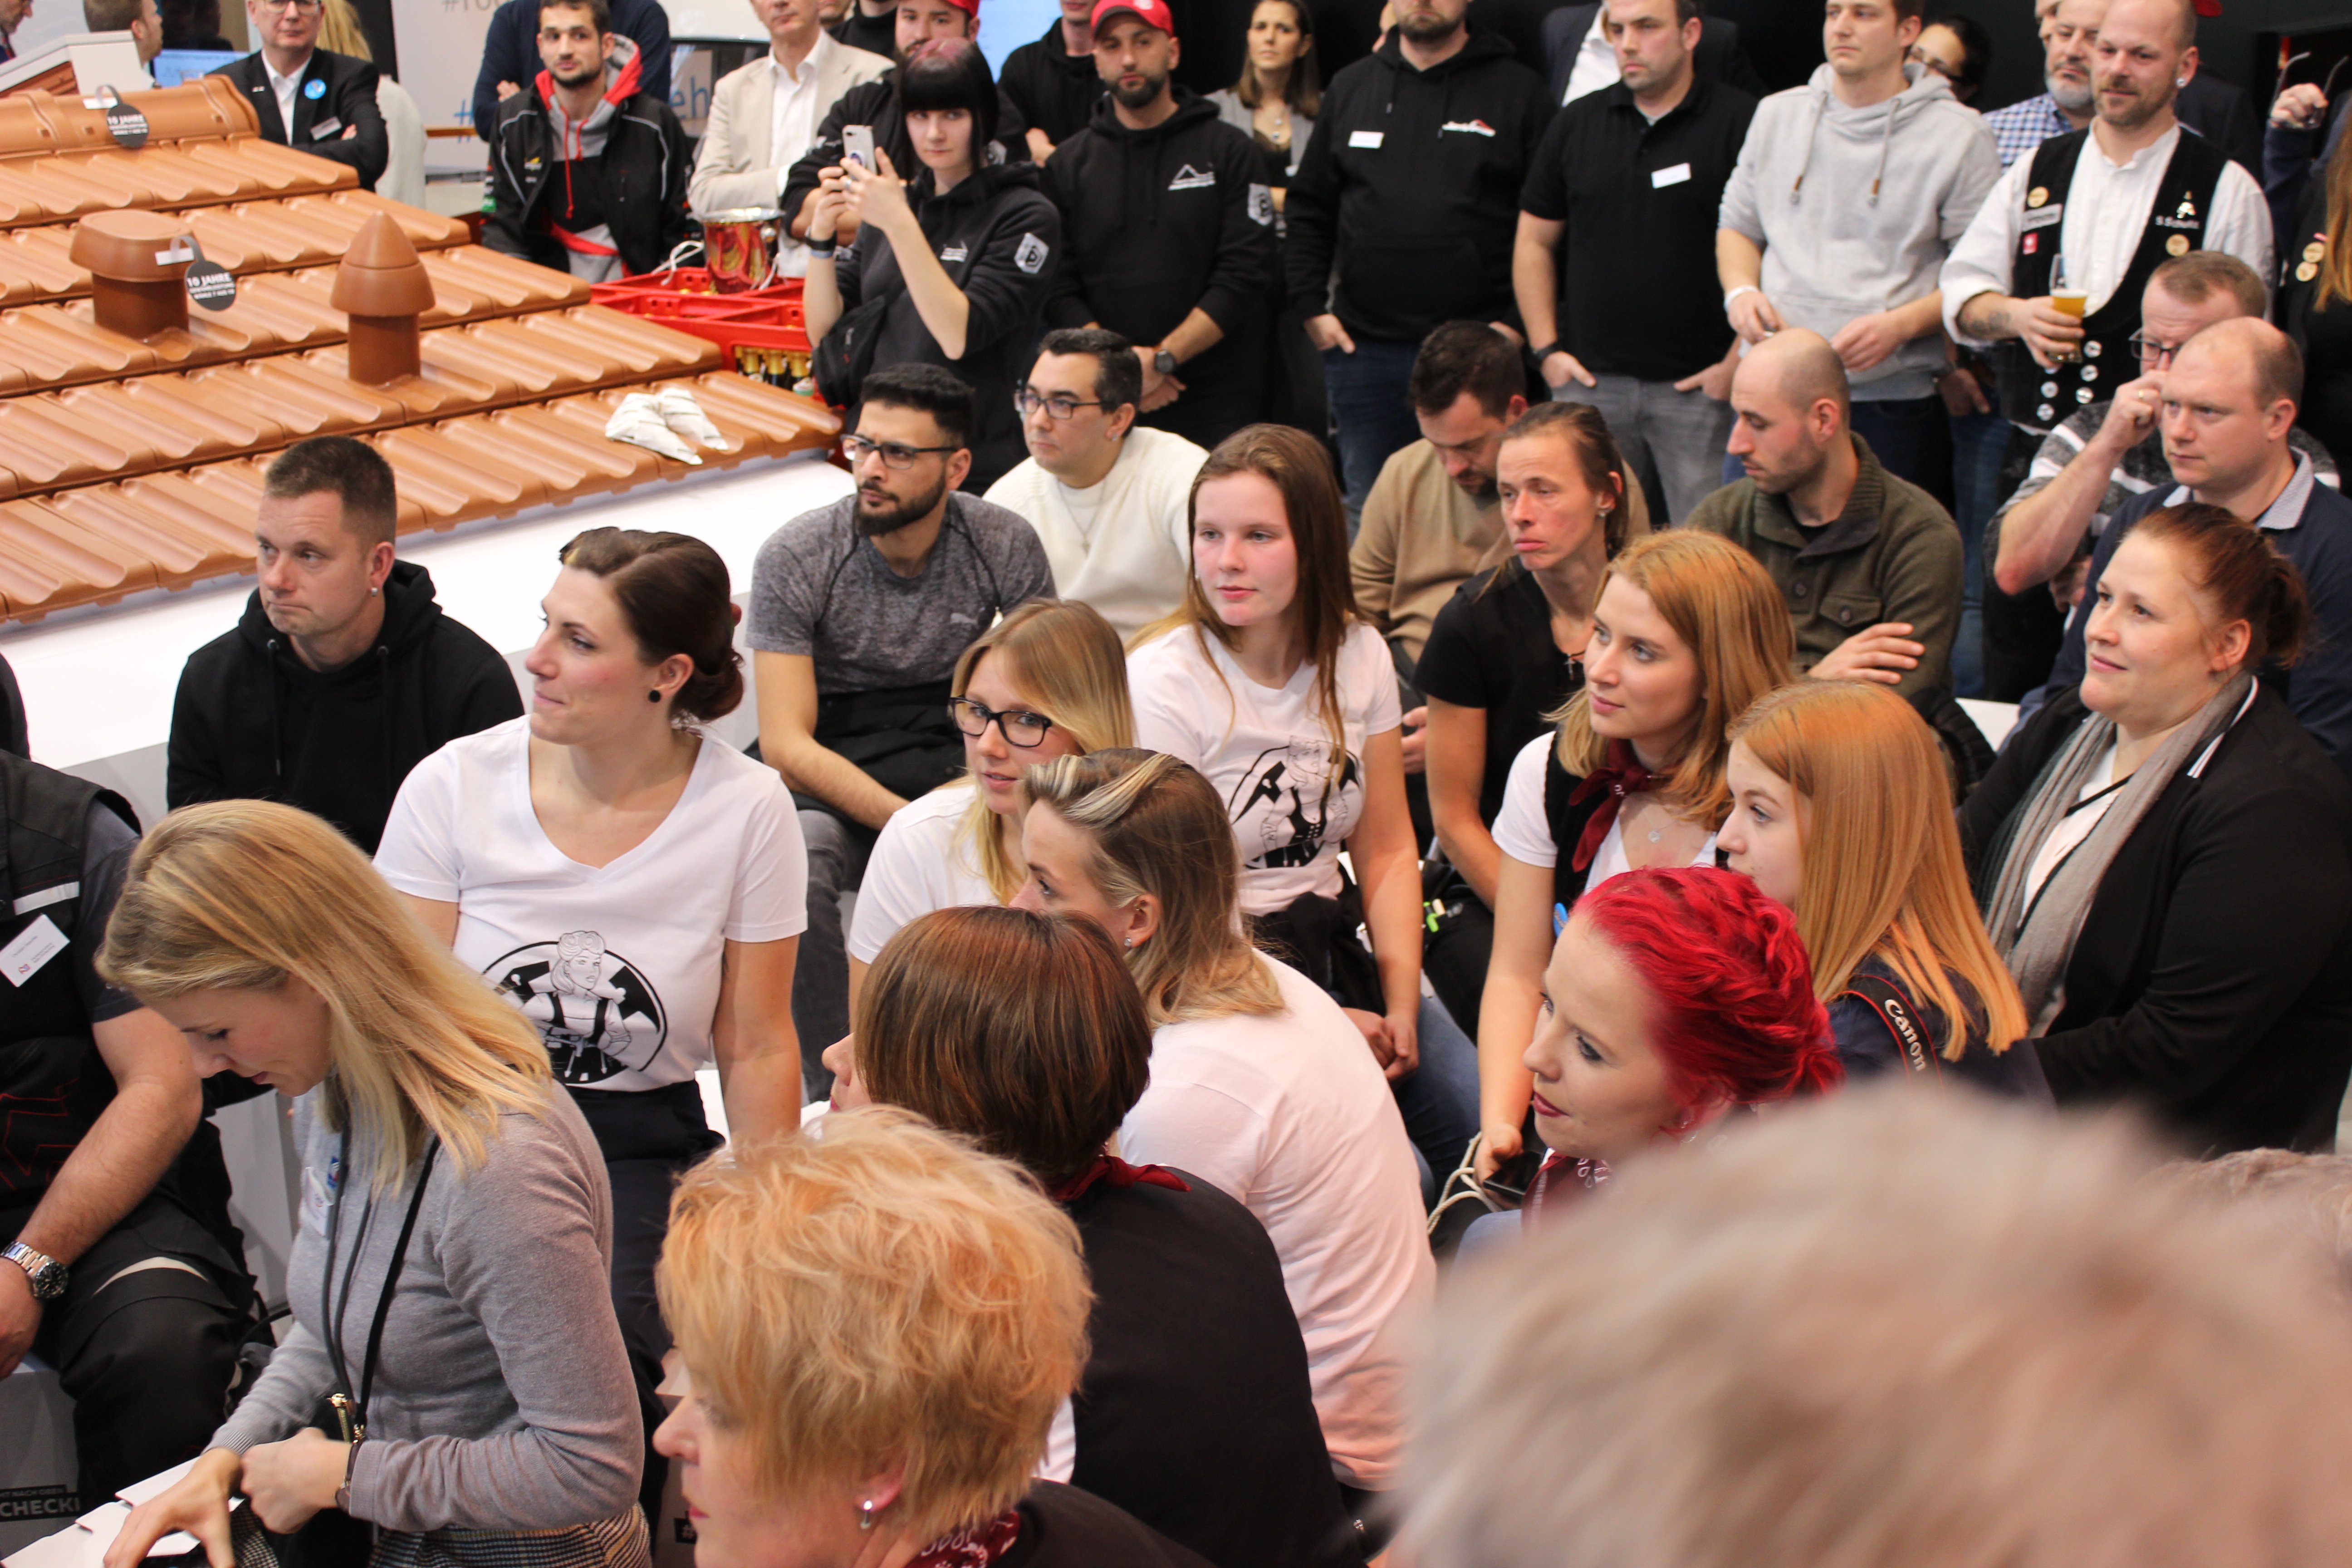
846 353
332 1538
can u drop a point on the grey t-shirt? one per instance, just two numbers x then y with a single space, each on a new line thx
820 589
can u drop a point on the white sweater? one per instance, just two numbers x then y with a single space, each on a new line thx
1124 545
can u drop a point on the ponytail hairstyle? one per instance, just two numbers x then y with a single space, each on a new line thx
1732 1008
1721 603
1883 873
672 589
2235 565
1067 660
1159 829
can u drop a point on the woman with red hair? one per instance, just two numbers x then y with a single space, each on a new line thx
1674 996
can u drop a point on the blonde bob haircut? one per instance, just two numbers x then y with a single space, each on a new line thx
1157 828
1065 659
1721 603
249 895
1883 873
873 1293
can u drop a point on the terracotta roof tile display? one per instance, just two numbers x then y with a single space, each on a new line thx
135 427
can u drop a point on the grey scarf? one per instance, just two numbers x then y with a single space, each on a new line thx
2036 942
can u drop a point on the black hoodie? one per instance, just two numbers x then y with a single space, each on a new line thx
1159 221
253 721
1411 182
1056 90
875 104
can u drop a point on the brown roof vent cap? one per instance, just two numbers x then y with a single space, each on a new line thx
381 274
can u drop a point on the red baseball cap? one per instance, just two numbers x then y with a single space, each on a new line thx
1150 12
970 8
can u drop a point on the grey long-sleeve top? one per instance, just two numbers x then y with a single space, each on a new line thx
502 1397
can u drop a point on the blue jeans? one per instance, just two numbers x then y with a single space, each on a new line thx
1980 441
1911 438
1439 1100
1368 396
1682 433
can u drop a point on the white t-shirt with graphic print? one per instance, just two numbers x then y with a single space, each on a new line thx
1292 803
619 966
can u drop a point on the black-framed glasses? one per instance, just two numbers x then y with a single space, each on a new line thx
2152 350
1060 405
894 453
1020 727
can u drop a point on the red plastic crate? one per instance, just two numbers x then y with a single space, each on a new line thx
768 318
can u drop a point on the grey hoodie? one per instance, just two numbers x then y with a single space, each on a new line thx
1856 208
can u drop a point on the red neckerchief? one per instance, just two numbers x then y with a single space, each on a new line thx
975 1548
1620 775
1578 1175
1118 1174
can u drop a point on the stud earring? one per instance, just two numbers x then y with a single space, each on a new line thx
653 696
865 1514
2180 81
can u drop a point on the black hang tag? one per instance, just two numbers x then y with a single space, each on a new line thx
126 125
211 285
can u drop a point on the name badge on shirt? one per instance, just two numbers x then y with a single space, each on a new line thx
2041 218
325 127
35 946
1660 178
1364 138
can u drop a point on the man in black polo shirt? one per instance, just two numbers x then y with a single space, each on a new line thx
1617 230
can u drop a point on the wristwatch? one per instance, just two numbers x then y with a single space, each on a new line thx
46 1275
1164 362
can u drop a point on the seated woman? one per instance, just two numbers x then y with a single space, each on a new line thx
1024 1033
1048 680
1259 1083
878 1325
1673 997
449 1277
1686 632
1502 656
1841 811
2163 856
1267 683
978 313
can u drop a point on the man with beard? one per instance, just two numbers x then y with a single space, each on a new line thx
858 613
1169 229
1410 188
511 54
2094 211
2067 35
588 170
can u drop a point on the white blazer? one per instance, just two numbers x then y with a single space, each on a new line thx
736 167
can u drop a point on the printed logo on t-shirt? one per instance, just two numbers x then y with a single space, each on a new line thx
1031 257
1189 178
599 1016
1261 204
1475 127
1286 800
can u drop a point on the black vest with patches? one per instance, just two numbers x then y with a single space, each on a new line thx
2037 398
53 1082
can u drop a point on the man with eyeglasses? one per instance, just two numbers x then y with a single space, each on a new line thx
1110 498
858 613
2104 455
2226 417
309 98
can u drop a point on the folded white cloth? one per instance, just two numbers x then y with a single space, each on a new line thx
685 416
638 421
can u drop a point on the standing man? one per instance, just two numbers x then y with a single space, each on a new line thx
1580 59
864 25
1616 225
2066 100
1169 233
1409 187
765 115
2096 210
343 673
859 611
305 97
1053 82
510 53
588 170
1110 501
137 17
1869 564
1848 195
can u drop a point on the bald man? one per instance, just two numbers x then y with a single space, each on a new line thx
2226 411
1869 564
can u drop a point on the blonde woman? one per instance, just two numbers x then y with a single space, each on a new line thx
1687 631
878 1323
1842 810
499 1403
1259 1083
1048 680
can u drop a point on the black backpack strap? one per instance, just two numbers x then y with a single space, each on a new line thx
1913 1048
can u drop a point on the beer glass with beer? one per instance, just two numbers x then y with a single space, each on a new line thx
2067 300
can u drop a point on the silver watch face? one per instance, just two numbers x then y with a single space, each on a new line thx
46 1275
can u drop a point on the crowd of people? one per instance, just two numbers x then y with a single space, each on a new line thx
1339 704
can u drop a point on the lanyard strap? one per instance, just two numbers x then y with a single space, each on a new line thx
384 1298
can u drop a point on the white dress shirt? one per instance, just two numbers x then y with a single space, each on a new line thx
2106 211
1596 62
796 112
285 87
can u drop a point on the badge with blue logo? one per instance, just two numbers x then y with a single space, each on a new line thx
314 90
